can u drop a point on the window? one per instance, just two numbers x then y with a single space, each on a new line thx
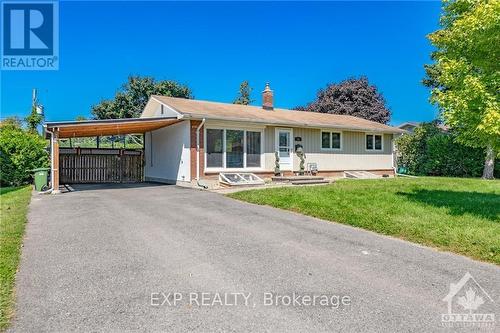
253 149
325 140
369 142
335 140
331 140
373 142
234 149
214 148
378 142
230 148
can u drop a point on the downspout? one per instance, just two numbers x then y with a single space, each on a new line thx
198 153
394 156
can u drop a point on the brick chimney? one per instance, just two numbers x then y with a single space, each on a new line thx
267 98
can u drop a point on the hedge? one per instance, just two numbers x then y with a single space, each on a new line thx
431 151
20 152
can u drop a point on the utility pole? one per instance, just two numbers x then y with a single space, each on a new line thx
33 99
36 106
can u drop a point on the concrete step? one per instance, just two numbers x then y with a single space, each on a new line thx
360 174
310 182
294 178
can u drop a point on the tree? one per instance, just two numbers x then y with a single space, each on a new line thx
14 121
353 97
34 119
465 76
131 99
80 118
244 94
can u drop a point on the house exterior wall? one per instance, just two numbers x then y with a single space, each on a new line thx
351 156
174 152
167 154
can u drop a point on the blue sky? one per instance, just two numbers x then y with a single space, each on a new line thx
298 47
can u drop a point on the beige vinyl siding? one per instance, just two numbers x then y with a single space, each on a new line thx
352 156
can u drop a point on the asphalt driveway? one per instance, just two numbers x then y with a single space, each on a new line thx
106 258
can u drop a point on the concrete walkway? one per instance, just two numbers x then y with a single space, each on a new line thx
99 258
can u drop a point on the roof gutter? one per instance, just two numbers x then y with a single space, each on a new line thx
104 121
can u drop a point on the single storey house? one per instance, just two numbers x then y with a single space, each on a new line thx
187 140
210 137
409 126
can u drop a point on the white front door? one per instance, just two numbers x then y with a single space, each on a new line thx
284 147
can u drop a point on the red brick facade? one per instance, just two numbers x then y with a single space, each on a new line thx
335 174
194 126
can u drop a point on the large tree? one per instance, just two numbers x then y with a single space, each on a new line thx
353 97
131 99
244 94
465 76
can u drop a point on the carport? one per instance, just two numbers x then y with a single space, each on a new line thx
96 128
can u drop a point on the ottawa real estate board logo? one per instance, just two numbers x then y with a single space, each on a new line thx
469 305
30 35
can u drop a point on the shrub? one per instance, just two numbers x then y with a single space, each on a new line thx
20 152
431 151
447 158
412 148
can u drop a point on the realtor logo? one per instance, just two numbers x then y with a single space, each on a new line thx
465 298
30 35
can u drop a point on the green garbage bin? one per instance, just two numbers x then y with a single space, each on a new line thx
41 178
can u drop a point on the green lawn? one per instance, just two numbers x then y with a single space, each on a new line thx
452 214
14 207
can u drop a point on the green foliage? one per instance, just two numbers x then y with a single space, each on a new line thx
33 120
12 121
80 118
129 141
20 152
244 94
412 148
447 158
465 76
430 151
131 99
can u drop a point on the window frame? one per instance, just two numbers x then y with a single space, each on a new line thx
224 148
205 147
330 148
373 141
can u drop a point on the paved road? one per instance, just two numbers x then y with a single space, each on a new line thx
94 259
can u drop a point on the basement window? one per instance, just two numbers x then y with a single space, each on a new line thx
239 179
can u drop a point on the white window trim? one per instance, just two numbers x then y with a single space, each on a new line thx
245 130
330 148
373 141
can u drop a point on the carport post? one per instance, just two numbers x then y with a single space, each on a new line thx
55 162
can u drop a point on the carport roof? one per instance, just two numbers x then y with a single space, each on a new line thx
87 128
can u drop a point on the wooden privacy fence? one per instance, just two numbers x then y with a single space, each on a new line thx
91 165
